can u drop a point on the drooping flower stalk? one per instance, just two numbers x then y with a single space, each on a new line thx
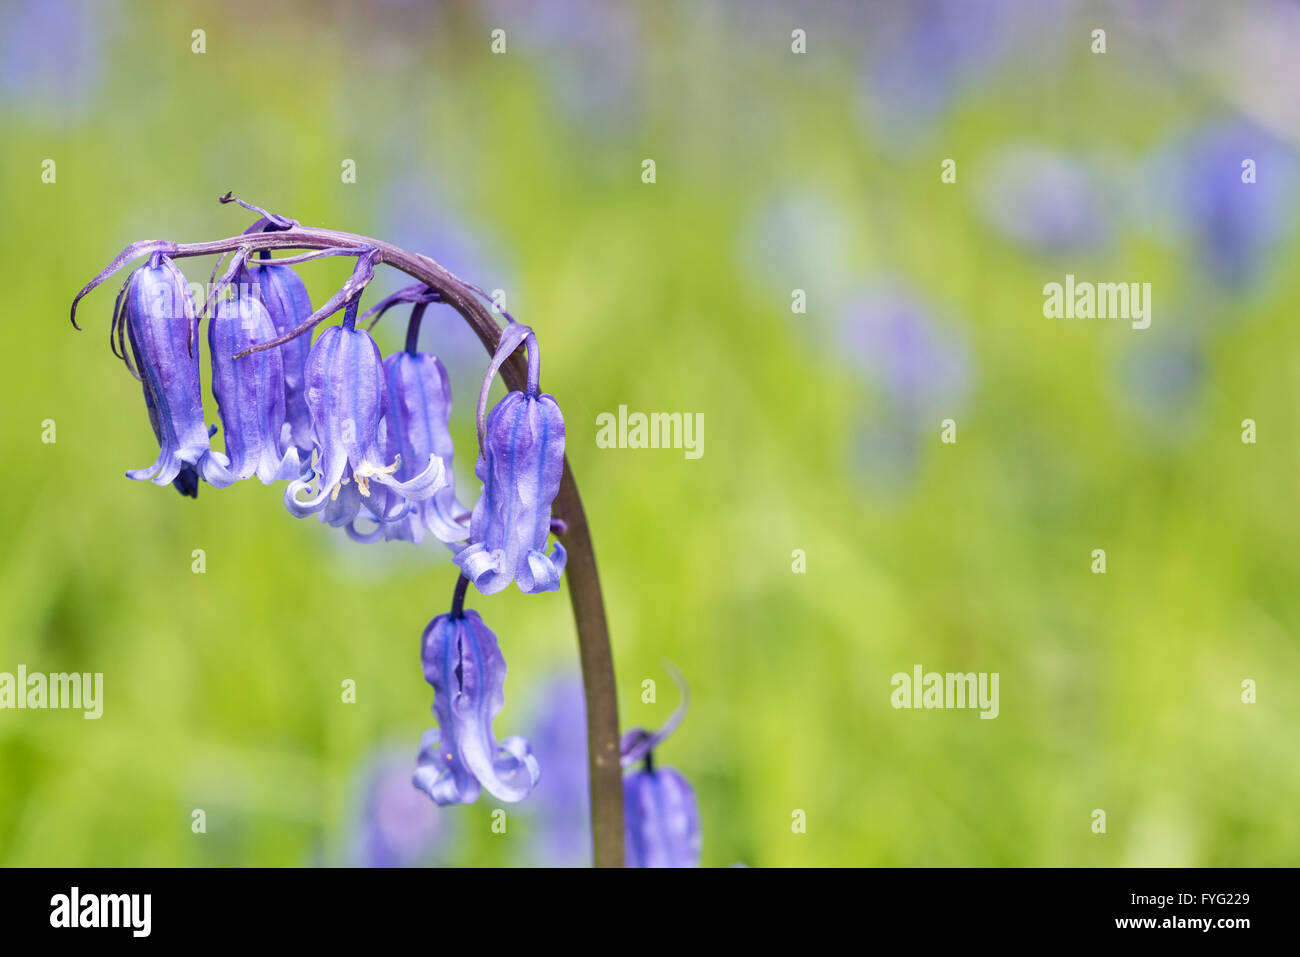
275 233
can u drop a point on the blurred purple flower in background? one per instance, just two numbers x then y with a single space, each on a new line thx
560 803
590 51
922 366
1043 200
51 54
919 55
417 215
398 826
1197 179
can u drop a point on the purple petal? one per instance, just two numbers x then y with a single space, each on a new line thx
250 391
288 304
345 395
441 775
419 408
661 820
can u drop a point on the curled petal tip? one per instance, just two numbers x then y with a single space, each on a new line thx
440 774
484 567
301 508
543 571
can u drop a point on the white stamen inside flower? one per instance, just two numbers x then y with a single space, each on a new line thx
365 471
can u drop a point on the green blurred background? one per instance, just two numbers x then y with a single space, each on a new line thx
776 171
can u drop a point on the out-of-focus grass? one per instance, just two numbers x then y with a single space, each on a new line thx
222 690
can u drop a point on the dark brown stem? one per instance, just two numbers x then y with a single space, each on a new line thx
584 583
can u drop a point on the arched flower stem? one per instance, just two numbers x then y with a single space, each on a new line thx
583 581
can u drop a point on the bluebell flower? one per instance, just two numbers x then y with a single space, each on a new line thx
1233 223
347 396
414 427
920 56
1044 201
419 408
520 463
250 391
923 365
592 54
158 316
464 664
286 300
661 818
52 55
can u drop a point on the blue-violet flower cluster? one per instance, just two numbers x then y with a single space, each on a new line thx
363 443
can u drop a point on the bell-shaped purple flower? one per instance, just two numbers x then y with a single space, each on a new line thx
162 327
347 396
285 297
661 818
419 407
1235 221
520 463
250 391
464 664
